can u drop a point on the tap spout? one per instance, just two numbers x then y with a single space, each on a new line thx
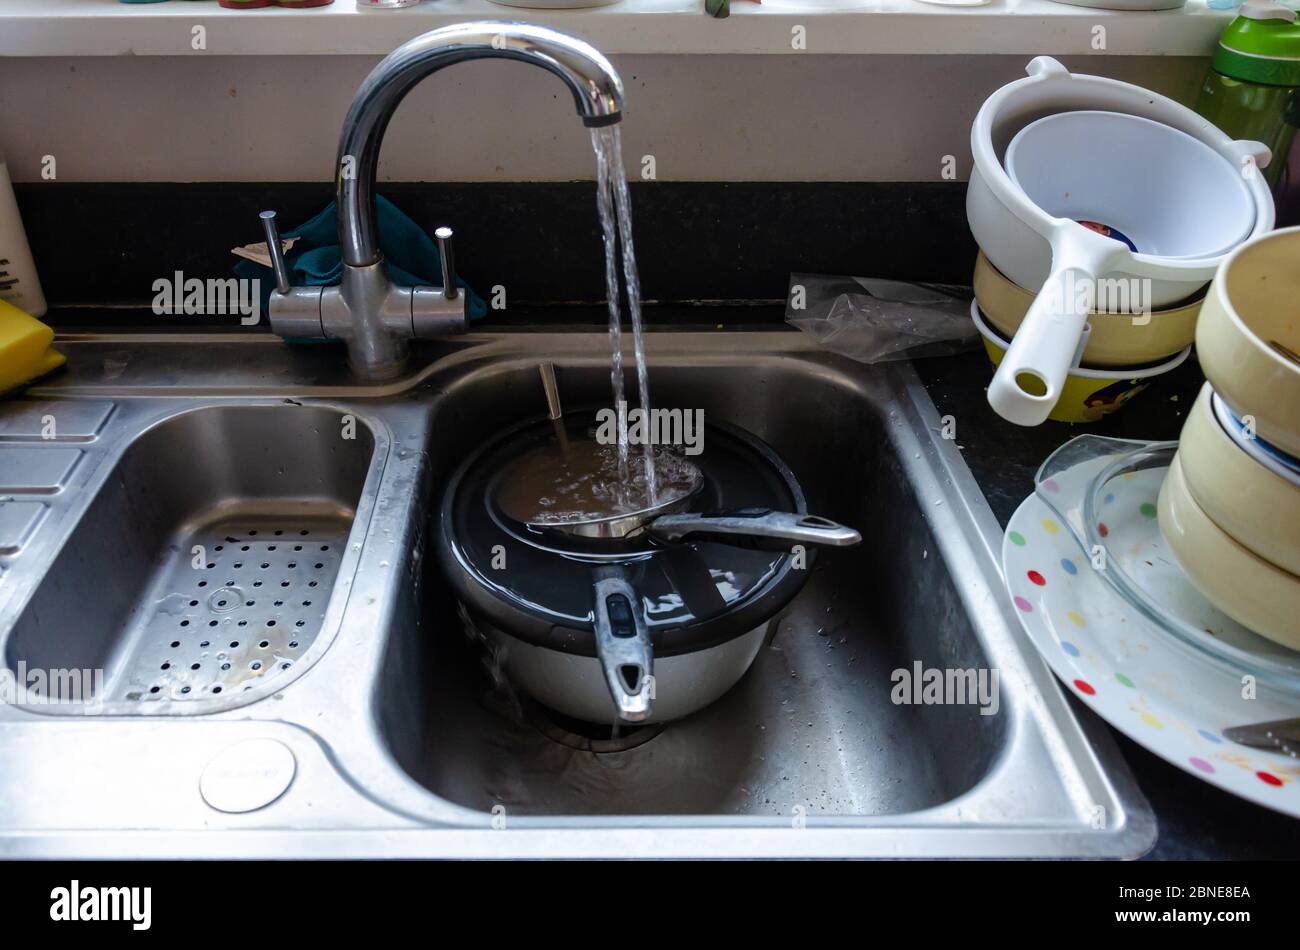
596 87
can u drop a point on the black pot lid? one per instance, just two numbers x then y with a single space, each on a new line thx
538 585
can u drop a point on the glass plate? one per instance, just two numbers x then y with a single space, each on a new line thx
1105 490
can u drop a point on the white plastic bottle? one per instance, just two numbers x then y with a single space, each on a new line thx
19 284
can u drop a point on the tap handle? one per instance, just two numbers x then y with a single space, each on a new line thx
443 236
276 251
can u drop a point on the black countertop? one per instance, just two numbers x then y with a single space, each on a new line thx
1196 820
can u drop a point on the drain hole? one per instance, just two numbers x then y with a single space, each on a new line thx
216 689
185 623
165 666
185 689
264 644
175 644
587 736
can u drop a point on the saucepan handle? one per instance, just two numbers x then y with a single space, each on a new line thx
623 646
754 527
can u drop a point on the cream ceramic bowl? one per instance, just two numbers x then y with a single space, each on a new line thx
1088 394
1257 508
1115 339
1250 590
1250 317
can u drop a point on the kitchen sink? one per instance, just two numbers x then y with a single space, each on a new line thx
812 726
205 561
393 732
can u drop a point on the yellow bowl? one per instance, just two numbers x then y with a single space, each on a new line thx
1247 588
1250 320
1088 394
1117 339
1257 508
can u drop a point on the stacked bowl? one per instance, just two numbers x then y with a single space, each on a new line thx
1230 506
1101 210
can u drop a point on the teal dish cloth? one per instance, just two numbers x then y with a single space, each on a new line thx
315 260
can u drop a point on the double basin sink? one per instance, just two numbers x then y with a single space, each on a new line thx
231 539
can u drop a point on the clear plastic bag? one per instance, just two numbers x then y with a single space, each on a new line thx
873 321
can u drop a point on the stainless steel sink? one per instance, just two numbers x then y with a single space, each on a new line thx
203 565
400 739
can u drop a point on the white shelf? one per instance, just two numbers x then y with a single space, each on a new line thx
111 28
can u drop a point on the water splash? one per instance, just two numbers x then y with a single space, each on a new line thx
614 206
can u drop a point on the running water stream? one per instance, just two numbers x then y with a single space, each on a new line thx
614 206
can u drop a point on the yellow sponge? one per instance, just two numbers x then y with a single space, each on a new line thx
25 351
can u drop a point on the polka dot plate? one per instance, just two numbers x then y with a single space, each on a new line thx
1120 663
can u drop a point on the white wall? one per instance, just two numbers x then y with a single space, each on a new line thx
263 118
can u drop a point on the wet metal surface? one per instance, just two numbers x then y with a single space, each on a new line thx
404 744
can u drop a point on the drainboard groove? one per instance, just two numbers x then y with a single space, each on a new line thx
249 609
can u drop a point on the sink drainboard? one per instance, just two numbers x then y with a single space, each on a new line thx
249 610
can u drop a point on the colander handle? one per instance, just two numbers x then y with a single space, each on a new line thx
623 646
1032 373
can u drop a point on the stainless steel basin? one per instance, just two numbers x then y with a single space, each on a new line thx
812 726
402 740
203 564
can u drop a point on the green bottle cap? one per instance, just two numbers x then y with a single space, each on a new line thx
1262 45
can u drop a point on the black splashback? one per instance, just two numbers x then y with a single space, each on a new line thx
105 243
